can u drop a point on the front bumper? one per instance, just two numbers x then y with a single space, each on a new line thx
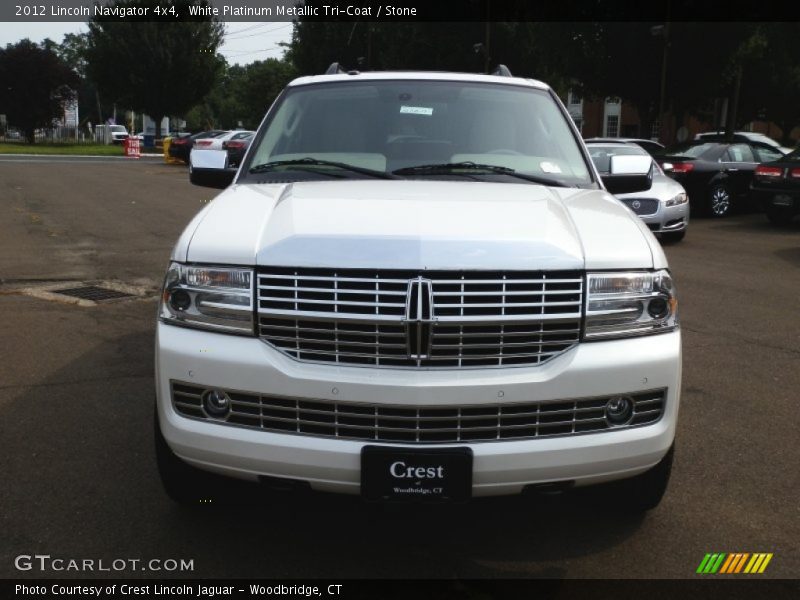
668 219
787 199
504 467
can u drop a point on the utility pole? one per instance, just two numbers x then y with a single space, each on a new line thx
730 126
663 99
487 43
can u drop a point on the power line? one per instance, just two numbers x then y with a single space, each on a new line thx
257 33
246 52
256 26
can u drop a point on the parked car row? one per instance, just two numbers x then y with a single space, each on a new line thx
213 139
718 175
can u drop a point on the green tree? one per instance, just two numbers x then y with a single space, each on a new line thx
222 106
771 77
73 50
260 84
452 46
242 95
34 85
162 67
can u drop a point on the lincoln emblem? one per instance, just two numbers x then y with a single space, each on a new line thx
419 318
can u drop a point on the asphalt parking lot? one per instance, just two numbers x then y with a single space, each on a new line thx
76 399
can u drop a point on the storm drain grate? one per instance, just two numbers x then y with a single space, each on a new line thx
93 293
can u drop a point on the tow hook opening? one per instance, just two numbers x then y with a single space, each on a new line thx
550 488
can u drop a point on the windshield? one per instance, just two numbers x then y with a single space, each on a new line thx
393 126
601 155
118 128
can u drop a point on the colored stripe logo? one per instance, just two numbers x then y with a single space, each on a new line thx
734 562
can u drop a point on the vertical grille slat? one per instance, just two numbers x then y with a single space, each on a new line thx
420 319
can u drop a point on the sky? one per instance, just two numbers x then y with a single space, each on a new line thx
244 42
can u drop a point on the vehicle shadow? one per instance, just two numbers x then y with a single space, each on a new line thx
790 255
756 223
84 449
508 537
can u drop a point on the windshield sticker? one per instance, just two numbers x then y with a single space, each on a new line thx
548 167
416 110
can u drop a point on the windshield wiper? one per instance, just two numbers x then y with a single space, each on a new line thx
449 168
314 162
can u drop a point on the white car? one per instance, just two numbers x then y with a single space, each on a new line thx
664 207
115 134
419 288
215 143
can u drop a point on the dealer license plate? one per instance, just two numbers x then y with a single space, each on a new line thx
416 475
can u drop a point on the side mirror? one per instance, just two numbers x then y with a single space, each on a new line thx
209 168
629 173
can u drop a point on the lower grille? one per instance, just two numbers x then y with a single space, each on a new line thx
429 424
642 206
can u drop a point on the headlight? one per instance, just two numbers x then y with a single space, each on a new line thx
208 297
629 304
681 198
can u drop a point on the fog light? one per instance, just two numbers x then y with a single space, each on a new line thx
216 403
180 300
619 410
658 308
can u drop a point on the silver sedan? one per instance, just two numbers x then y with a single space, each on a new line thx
664 207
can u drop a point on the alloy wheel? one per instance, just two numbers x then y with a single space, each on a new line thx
720 201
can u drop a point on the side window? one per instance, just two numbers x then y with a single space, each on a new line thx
739 153
766 154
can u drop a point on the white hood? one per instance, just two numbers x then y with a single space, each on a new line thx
412 224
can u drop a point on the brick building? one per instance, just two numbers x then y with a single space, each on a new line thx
613 117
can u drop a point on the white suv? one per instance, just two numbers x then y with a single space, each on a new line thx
418 288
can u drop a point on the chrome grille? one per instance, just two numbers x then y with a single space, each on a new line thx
642 206
380 318
437 424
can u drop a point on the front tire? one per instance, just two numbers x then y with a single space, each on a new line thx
643 492
719 201
183 483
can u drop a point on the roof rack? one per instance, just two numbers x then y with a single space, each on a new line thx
335 69
501 71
